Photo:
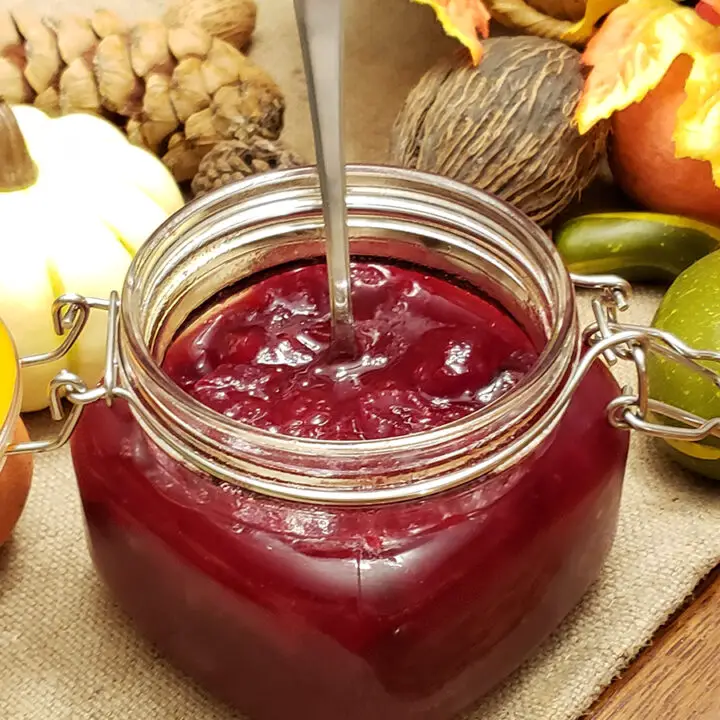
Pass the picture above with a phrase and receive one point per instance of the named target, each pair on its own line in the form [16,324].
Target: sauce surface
[430,353]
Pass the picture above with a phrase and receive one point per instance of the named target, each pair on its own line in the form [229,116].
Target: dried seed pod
[223,65]
[506,126]
[188,42]
[148,134]
[78,91]
[183,158]
[149,47]
[134,132]
[200,128]
[230,20]
[105,23]
[15,89]
[9,35]
[116,81]
[234,160]
[155,132]
[157,105]
[261,105]
[41,50]
[48,101]
[174,91]
[75,37]
[187,89]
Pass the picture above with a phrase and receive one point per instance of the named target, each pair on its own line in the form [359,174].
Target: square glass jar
[394,579]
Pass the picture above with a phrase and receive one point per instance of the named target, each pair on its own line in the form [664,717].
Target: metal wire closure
[635,410]
[606,337]
[70,315]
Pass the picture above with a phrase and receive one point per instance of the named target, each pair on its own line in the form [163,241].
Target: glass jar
[394,579]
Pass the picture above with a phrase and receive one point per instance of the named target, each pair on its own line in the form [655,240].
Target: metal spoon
[320,24]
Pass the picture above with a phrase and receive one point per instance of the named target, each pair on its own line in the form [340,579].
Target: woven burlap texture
[66,652]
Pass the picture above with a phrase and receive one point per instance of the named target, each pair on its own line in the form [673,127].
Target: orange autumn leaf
[630,55]
[466,20]
[628,58]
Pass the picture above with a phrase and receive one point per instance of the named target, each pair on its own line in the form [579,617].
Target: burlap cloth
[67,653]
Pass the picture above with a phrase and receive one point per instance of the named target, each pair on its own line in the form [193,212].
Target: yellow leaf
[465,20]
[632,52]
[594,10]
[630,55]
[697,133]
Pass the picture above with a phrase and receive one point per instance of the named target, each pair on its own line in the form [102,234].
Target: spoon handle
[320,25]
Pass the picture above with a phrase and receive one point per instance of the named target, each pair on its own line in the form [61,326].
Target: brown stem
[17,169]
[522,15]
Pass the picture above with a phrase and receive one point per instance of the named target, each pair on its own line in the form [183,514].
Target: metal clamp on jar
[605,337]
[392,579]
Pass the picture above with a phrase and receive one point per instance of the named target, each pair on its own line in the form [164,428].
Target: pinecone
[246,155]
[175,90]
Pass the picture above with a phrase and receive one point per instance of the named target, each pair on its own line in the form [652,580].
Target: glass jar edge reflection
[220,434]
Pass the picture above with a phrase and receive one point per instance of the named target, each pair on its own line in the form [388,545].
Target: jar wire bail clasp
[70,314]
[614,340]
[606,337]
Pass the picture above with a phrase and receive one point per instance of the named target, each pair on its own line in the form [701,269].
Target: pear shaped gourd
[77,200]
[690,310]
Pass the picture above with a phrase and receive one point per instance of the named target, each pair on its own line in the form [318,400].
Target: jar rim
[146,370]
[546,356]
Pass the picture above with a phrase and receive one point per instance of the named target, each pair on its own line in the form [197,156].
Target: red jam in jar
[409,610]
[429,353]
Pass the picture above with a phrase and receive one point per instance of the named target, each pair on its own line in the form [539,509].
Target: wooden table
[678,676]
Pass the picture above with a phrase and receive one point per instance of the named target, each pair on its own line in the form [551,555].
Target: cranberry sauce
[404,611]
[430,353]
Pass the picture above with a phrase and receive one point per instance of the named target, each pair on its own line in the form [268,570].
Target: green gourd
[639,246]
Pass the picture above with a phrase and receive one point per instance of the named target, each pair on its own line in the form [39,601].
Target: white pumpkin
[70,222]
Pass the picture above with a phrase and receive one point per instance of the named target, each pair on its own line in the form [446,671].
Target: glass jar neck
[271,220]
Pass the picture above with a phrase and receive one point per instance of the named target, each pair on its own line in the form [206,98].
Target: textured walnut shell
[230,20]
[506,126]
